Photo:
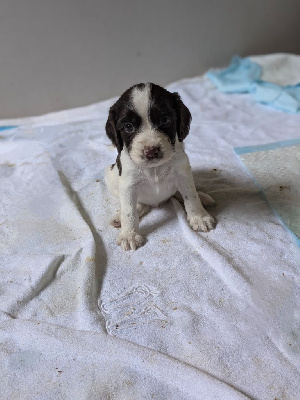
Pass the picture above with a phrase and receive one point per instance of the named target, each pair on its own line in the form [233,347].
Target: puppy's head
[148,119]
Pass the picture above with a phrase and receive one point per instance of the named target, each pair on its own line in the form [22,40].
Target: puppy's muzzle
[152,152]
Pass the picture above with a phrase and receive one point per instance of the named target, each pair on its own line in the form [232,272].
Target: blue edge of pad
[264,147]
[268,146]
[4,128]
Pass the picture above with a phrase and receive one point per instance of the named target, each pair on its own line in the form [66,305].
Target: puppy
[147,125]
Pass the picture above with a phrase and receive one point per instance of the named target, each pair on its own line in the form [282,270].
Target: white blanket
[189,315]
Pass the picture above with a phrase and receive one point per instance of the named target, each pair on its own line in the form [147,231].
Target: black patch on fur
[120,113]
[163,106]
[170,105]
[119,164]
[125,117]
[183,117]
[139,86]
[112,132]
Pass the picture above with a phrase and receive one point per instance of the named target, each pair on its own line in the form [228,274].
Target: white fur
[139,187]
[141,103]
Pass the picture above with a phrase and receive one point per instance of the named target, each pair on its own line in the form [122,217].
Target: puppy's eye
[128,127]
[164,121]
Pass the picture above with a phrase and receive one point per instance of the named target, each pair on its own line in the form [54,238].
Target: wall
[58,54]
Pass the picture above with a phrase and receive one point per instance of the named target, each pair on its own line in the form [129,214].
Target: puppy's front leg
[129,237]
[198,217]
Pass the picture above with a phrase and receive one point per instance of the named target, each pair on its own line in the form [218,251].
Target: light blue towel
[243,76]
[286,98]
[238,77]
[4,128]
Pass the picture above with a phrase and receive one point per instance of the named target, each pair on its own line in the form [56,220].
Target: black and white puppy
[147,125]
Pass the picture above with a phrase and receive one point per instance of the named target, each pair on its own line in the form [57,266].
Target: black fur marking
[119,164]
[112,132]
[170,105]
[184,118]
[162,107]
[115,111]
[139,86]
[132,117]
[120,113]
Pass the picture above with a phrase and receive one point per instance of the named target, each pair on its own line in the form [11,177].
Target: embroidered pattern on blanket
[134,308]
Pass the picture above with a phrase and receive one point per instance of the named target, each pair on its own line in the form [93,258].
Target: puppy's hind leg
[116,220]
[142,209]
[206,199]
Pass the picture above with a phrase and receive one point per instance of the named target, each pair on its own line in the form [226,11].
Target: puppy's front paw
[203,223]
[130,241]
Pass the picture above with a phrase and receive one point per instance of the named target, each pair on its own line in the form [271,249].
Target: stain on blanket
[284,187]
[8,165]
[136,307]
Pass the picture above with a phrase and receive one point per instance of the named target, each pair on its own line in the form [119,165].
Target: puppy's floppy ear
[183,118]
[112,132]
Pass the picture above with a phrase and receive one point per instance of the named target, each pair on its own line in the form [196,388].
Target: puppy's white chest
[157,185]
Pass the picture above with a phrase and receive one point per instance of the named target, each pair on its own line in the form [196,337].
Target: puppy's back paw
[115,222]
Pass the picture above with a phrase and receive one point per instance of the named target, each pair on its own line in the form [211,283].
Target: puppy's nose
[151,152]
